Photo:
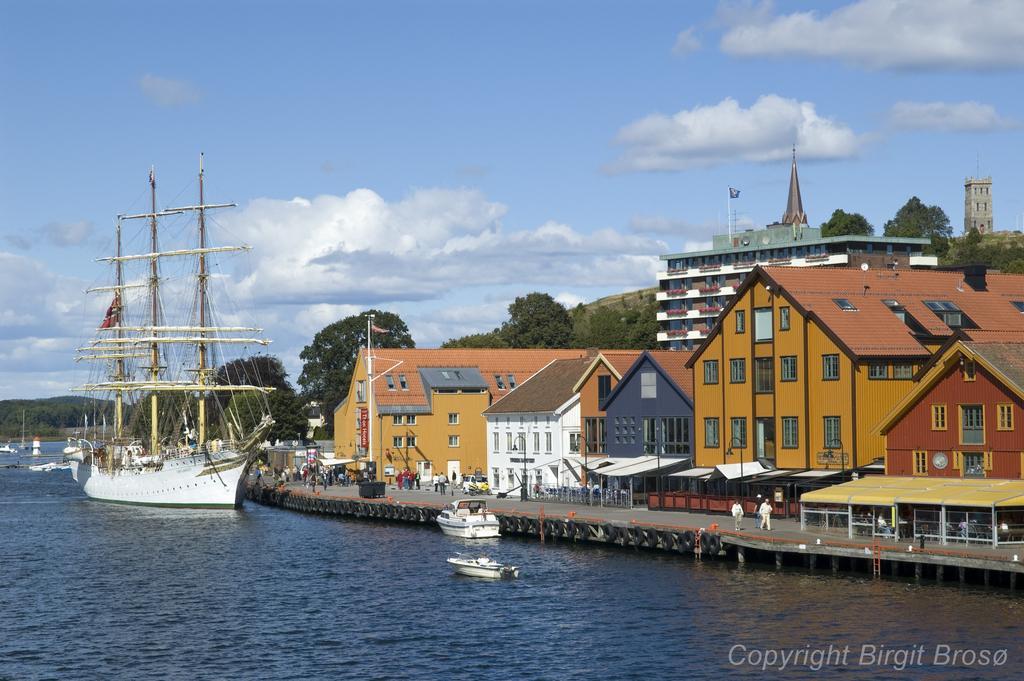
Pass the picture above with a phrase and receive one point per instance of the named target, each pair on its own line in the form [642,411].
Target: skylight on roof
[845,304]
[941,306]
[1019,304]
[889,302]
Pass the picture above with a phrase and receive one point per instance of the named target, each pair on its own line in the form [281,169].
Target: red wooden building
[965,418]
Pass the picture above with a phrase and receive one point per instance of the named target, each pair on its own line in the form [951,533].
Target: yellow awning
[877,490]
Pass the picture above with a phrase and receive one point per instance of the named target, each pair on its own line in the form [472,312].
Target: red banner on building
[364,427]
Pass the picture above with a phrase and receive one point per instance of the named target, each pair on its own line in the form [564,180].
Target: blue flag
[734,193]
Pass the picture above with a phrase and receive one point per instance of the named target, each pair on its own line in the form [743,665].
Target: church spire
[794,214]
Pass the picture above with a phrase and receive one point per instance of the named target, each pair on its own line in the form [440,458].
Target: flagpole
[369,388]
[728,213]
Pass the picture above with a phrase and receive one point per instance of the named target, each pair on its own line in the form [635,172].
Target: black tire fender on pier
[710,544]
[608,531]
[687,540]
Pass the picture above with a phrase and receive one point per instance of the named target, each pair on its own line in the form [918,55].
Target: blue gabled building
[650,411]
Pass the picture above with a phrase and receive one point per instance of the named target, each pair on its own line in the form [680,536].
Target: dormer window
[511,382]
[390,381]
[500,381]
[947,311]
[401,382]
[845,305]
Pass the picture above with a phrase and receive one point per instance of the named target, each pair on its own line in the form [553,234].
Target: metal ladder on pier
[876,562]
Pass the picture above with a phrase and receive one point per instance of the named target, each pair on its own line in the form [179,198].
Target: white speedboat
[51,466]
[482,566]
[8,449]
[468,518]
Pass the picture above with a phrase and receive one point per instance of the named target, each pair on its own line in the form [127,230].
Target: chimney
[974,275]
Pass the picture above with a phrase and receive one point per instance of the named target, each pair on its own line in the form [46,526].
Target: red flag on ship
[113,313]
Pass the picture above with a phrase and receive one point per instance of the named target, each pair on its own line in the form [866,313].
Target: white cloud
[726,132]
[945,116]
[882,34]
[686,42]
[64,234]
[169,92]
[569,299]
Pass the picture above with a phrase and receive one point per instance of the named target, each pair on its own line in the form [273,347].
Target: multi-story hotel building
[696,286]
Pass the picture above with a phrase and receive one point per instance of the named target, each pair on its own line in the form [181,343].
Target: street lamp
[737,443]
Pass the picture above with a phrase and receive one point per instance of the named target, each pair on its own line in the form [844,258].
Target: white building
[534,431]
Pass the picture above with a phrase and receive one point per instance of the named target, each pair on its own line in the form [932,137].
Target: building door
[454,468]
[426,472]
[766,438]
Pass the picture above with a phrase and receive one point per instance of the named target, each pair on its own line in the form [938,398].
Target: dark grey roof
[452,377]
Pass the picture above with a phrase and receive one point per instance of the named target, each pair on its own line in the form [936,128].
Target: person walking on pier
[757,512]
[737,515]
[417,479]
[766,515]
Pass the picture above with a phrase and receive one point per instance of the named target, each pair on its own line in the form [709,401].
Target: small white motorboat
[51,466]
[469,519]
[8,449]
[482,566]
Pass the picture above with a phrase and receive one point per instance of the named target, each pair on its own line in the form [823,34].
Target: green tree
[842,223]
[329,360]
[915,219]
[537,320]
[289,412]
[632,326]
[488,339]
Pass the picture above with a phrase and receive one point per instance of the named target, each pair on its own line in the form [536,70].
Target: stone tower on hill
[978,204]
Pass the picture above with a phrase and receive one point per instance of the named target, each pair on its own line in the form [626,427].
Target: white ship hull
[470,528]
[189,482]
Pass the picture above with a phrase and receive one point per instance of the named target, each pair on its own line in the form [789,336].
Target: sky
[438,159]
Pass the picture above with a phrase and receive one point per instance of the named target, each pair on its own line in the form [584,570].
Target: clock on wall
[940,460]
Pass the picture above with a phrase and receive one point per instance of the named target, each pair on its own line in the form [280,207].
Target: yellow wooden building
[427,406]
[804,363]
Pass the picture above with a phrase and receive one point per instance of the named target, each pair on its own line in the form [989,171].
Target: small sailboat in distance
[161,371]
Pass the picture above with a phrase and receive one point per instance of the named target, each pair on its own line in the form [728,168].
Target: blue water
[97,591]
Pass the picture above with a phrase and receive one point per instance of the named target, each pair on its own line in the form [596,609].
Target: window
[737,370]
[511,381]
[833,433]
[938,417]
[594,434]
[972,424]
[902,371]
[410,419]
[453,440]
[396,441]
[790,432]
[783,319]
[547,442]
[762,324]
[844,304]
[973,465]
[497,445]
[508,442]
[536,442]
[410,441]
[741,321]
[453,418]
[738,432]
[499,381]
[390,380]
[574,442]
[969,370]
[764,380]
[947,311]
[1004,419]
[830,367]
[396,420]
[711,432]
[675,433]
[878,371]
[650,435]
[710,371]
[604,387]
[648,385]
[920,463]
[788,368]
[360,391]
[401,382]
[494,475]
[1019,304]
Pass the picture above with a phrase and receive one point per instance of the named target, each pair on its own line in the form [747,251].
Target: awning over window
[881,490]
[643,465]
[735,471]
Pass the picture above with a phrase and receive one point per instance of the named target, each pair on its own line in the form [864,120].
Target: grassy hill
[1002,251]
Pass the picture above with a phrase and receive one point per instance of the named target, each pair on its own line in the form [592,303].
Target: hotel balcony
[702,292]
[803,261]
[699,313]
[681,334]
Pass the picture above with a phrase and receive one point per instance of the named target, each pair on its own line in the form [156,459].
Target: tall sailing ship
[185,431]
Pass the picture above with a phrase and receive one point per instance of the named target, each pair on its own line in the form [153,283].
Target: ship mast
[119,362]
[201,375]
[154,348]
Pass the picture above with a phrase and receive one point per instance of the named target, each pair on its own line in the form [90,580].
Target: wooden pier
[711,542]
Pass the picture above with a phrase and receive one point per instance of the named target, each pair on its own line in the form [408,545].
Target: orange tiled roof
[873,329]
[621,360]
[521,363]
